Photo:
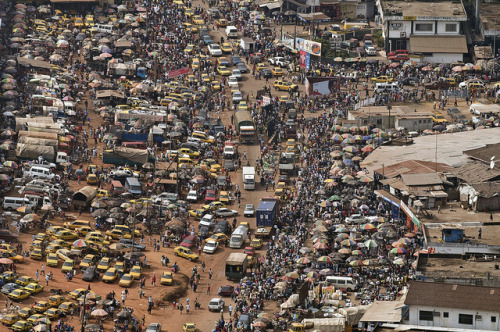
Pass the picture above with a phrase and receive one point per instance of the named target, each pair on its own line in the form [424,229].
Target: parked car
[210,247]
[90,274]
[128,244]
[226,290]
[192,196]
[355,219]
[189,241]
[225,212]
[249,210]
[441,84]
[154,327]
[216,304]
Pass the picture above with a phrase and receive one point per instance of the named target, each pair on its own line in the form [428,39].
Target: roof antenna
[492,162]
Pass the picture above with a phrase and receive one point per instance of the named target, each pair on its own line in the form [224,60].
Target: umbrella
[133,255]
[398,251]
[399,261]
[6,261]
[40,328]
[356,263]
[319,245]
[303,260]
[99,205]
[356,253]
[313,274]
[370,244]
[259,323]
[342,230]
[31,217]
[24,209]
[79,243]
[326,272]
[99,313]
[368,227]
[345,251]
[292,275]
[324,259]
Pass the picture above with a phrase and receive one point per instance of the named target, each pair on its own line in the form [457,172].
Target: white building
[397,117]
[453,306]
[434,31]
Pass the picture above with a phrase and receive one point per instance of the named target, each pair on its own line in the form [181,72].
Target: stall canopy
[384,312]
[318,17]
[272,5]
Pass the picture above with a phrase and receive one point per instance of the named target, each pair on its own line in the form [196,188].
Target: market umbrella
[24,209]
[31,217]
[399,261]
[40,328]
[348,242]
[345,251]
[321,229]
[356,253]
[335,198]
[10,163]
[398,251]
[313,274]
[370,244]
[368,227]
[320,246]
[326,272]
[259,323]
[99,313]
[99,205]
[293,275]
[356,263]
[6,261]
[324,259]
[303,260]
[79,243]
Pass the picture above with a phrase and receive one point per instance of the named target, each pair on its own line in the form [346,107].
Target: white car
[371,50]
[214,50]
[249,210]
[279,61]
[208,220]
[237,97]
[192,196]
[232,81]
[216,304]
[225,212]
[229,152]
[210,247]
[355,219]
[236,73]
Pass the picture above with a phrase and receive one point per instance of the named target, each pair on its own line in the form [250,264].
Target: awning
[298,4]
[272,5]
[318,17]
[388,197]
[441,44]
[439,194]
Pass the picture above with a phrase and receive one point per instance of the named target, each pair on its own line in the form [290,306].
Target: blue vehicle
[141,72]
[207,40]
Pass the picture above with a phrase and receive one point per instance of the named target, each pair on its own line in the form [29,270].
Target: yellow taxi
[52,260]
[62,243]
[438,118]
[25,312]
[120,267]
[260,66]
[68,265]
[76,224]
[189,327]
[216,85]
[219,237]
[34,318]
[197,20]
[185,253]
[52,248]
[222,22]
[97,240]
[53,229]
[53,313]
[278,72]
[91,179]
[126,280]
[87,261]
[36,245]
[110,275]
[42,237]
[223,70]
[67,306]
[226,48]
[242,106]
[89,20]
[284,86]
[189,12]
[214,205]
[256,243]
[136,272]
[66,235]
[103,264]
[11,254]
[74,294]
[63,254]
[212,163]
[189,152]
[118,234]
[382,79]
[41,306]
[126,229]
[25,280]
[9,276]
[167,278]
[102,193]
[33,288]
[79,23]
[84,230]
[198,213]
[195,64]
[18,295]
[10,319]
[203,137]
[56,300]
[189,48]
[224,197]
[21,326]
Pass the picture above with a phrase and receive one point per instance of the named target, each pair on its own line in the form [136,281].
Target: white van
[41,172]
[14,203]
[389,87]
[342,282]
[106,28]
[238,237]
[231,31]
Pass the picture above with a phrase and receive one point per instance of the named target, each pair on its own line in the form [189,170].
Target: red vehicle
[396,52]
[250,251]
[399,57]
[210,196]
[189,241]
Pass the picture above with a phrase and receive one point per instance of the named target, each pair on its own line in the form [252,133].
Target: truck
[83,197]
[127,156]
[249,178]
[245,126]
[32,152]
[238,237]
[236,266]
[286,166]
[266,215]
[122,69]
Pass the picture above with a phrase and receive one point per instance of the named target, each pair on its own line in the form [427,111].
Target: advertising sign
[308,46]
[321,86]
[178,72]
[302,62]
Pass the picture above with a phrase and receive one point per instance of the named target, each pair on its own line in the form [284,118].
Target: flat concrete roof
[396,111]
[450,148]
[421,9]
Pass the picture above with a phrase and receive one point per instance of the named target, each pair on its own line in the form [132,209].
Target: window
[450,27]
[423,27]
[427,315]
[493,319]
[446,314]
[465,319]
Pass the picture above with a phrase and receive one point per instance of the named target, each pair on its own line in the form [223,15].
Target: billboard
[321,86]
[308,46]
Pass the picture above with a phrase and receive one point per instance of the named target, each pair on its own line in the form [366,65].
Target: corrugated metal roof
[485,153]
[487,189]
[441,295]
[412,166]
[441,44]
[476,171]
[421,179]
